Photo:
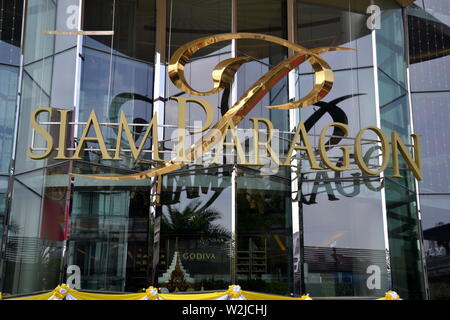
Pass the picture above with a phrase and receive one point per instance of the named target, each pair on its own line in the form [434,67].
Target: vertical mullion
[159,86]
[234,168]
[296,205]
[382,174]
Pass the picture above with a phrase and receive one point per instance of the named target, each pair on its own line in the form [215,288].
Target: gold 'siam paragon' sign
[215,137]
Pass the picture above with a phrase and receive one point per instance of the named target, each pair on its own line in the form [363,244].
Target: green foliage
[194,220]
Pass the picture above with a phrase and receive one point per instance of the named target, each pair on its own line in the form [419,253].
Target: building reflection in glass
[196,230]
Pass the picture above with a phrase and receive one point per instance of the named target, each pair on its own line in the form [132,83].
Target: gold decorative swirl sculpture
[222,76]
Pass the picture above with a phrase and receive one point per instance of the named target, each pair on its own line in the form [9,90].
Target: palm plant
[194,220]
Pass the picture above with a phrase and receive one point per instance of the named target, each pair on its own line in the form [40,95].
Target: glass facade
[429,45]
[285,230]
[340,250]
[10,36]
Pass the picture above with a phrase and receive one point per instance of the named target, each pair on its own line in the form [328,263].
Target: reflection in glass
[401,198]
[429,48]
[431,112]
[128,88]
[8,97]
[268,17]
[41,15]
[36,231]
[132,22]
[344,251]
[196,230]
[341,23]
[436,231]
[110,232]
[3,198]
[264,233]
[10,31]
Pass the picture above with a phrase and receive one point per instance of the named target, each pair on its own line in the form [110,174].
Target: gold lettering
[229,126]
[98,138]
[42,132]
[123,126]
[415,165]
[209,112]
[384,149]
[62,134]
[266,145]
[345,150]
[301,132]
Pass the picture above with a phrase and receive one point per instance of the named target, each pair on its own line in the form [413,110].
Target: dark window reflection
[132,22]
[10,31]
[192,19]
[10,35]
[196,231]
[3,198]
[110,235]
[264,233]
[268,17]
[344,253]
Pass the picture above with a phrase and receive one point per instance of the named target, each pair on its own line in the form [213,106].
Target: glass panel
[352,95]
[404,241]
[8,98]
[3,202]
[33,256]
[63,80]
[10,31]
[402,211]
[264,233]
[195,231]
[435,224]
[98,16]
[36,86]
[132,22]
[390,47]
[41,15]
[431,112]
[67,16]
[50,81]
[395,117]
[339,23]
[127,87]
[391,90]
[268,17]
[429,46]
[106,93]
[189,20]
[344,249]
[111,229]
[429,55]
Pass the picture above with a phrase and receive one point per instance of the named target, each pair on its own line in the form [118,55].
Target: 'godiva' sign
[215,137]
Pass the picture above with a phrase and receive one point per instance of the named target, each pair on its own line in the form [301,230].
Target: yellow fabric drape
[390,295]
[43,296]
[261,296]
[98,296]
[194,296]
